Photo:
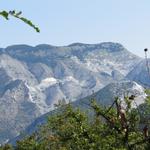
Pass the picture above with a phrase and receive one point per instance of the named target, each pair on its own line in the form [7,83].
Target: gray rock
[33,79]
[140,74]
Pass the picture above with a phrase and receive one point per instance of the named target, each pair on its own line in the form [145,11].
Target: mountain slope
[119,89]
[140,74]
[81,67]
[16,110]
[105,96]
[33,79]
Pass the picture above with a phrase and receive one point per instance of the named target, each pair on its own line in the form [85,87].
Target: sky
[63,22]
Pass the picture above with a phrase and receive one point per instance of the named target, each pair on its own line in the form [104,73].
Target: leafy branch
[17,15]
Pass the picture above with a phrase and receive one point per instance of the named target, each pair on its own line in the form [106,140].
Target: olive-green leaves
[4,14]
[15,14]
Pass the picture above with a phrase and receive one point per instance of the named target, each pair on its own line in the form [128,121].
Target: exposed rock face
[121,89]
[141,74]
[33,79]
[105,96]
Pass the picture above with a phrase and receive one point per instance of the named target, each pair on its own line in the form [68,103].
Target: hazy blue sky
[89,21]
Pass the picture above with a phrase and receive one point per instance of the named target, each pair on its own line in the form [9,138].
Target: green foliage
[6,147]
[147,91]
[29,143]
[106,128]
[145,111]
[17,15]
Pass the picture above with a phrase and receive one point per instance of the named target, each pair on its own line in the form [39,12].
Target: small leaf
[4,14]
[30,23]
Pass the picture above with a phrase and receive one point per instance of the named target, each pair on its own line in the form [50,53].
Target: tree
[102,128]
[6,15]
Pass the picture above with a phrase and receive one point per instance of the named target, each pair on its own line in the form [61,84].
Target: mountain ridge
[45,74]
[105,45]
[122,88]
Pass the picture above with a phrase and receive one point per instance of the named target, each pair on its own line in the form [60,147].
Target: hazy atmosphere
[63,22]
[71,77]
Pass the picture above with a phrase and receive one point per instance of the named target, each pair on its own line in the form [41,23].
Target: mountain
[105,96]
[120,89]
[33,79]
[16,110]
[140,73]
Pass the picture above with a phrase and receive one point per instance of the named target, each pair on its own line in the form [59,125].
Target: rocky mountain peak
[33,79]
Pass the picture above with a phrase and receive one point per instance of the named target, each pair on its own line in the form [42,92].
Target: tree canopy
[101,128]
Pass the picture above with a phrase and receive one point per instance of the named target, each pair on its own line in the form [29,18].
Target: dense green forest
[99,128]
